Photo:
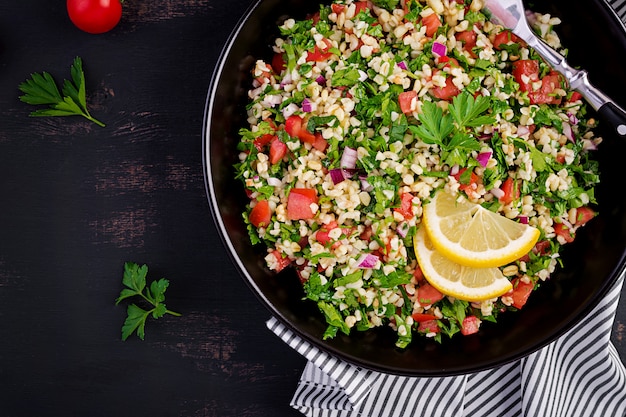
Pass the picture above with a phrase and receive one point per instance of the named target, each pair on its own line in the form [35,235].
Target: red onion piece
[523,219]
[439,49]
[337,175]
[365,185]
[348,158]
[497,193]
[402,229]
[454,170]
[367,261]
[572,118]
[483,158]
[523,130]
[402,65]
[321,80]
[274,182]
[567,131]
[306,106]
[589,145]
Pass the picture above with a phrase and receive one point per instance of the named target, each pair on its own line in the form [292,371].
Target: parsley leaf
[435,125]
[134,280]
[466,110]
[41,89]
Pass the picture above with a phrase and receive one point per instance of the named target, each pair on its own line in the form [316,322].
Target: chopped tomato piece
[299,203]
[362,6]
[575,96]
[427,294]
[281,261]
[278,149]
[337,8]
[294,126]
[418,274]
[511,190]
[584,214]
[470,325]
[260,215]
[562,230]
[322,234]
[446,92]
[541,248]
[320,54]
[506,37]
[406,206]
[261,141]
[278,63]
[432,23]
[546,93]
[446,62]
[428,326]
[405,100]
[526,73]
[468,39]
[468,187]
[420,317]
[320,143]
[520,292]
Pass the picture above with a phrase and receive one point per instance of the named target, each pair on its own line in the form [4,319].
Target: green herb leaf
[134,280]
[435,125]
[41,89]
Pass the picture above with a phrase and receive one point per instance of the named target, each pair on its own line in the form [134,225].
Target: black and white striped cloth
[578,375]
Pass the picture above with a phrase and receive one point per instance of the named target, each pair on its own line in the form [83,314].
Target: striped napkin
[578,375]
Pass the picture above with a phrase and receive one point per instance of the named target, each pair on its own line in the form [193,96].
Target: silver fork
[512,15]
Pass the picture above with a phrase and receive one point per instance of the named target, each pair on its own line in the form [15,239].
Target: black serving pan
[596,41]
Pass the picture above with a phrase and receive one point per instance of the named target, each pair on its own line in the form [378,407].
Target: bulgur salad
[365,111]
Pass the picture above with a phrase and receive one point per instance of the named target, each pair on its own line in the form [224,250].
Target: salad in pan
[419,166]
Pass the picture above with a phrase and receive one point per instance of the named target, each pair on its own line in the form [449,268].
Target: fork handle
[614,115]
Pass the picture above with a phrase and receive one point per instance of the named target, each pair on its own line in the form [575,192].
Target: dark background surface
[77,201]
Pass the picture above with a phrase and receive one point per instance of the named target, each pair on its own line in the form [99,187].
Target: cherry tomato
[95,16]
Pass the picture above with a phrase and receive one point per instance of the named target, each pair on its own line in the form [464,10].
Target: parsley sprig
[451,130]
[41,89]
[135,281]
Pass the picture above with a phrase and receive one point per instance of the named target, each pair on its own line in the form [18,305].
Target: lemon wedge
[458,281]
[471,235]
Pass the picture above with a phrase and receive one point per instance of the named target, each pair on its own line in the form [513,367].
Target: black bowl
[596,40]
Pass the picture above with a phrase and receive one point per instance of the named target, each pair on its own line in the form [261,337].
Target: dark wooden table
[78,201]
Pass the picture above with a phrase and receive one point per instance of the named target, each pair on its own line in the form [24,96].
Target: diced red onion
[348,158]
[572,118]
[567,131]
[483,158]
[306,106]
[589,145]
[402,229]
[286,80]
[439,49]
[365,185]
[321,80]
[337,175]
[454,170]
[523,130]
[485,136]
[402,65]
[523,219]
[274,182]
[367,261]
[497,193]
[290,109]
